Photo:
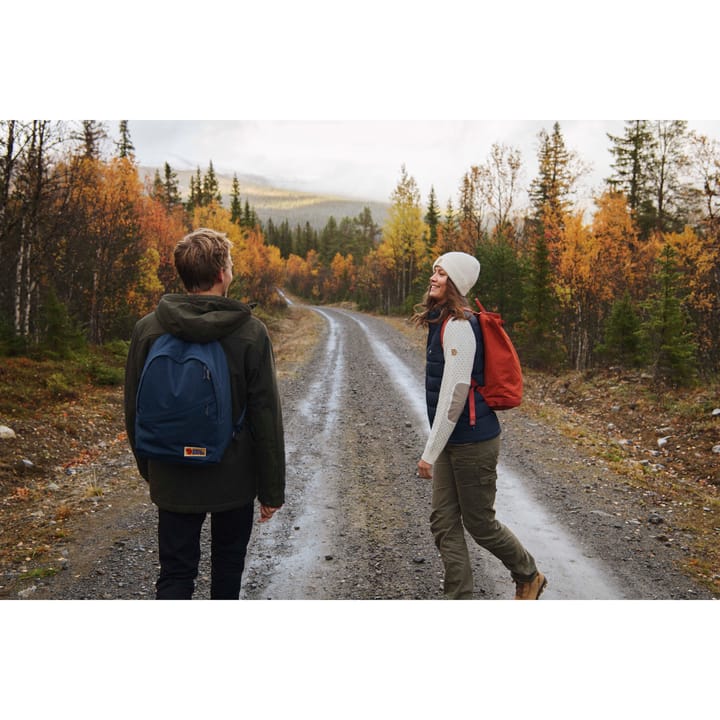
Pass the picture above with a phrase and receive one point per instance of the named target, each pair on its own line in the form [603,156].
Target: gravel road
[356,521]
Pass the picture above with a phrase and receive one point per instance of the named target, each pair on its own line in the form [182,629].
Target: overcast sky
[335,97]
[363,158]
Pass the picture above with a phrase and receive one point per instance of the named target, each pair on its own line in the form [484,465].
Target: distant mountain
[295,206]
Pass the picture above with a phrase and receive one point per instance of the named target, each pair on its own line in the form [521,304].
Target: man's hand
[424,470]
[266,512]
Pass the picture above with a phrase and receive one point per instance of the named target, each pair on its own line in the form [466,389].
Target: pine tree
[432,218]
[90,137]
[249,219]
[470,213]
[195,198]
[538,335]
[329,241]
[368,233]
[210,187]
[634,152]
[551,190]
[665,332]
[158,189]
[670,163]
[171,188]
[124,146]
[500,278]
[284,238]
[235,204]
[448,231]
[622,334]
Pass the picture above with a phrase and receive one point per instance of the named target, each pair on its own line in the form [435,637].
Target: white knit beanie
[462,269]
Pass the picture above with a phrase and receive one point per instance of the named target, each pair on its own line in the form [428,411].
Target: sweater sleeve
[459,353]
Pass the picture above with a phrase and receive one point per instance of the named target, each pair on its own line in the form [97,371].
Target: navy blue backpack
[184,403]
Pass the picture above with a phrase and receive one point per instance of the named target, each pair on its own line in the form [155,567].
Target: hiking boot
[531,590]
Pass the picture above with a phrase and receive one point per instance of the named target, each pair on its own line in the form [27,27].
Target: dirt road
[355,524]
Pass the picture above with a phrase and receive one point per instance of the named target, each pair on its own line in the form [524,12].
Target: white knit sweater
[459,353]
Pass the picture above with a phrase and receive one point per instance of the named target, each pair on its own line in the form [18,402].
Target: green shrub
[103,374]
[60,386]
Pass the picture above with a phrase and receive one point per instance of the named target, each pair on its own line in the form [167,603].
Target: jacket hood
[200,318]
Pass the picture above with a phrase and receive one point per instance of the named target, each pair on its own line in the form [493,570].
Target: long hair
[430,311]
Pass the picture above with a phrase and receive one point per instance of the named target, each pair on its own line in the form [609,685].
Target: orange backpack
[502,372]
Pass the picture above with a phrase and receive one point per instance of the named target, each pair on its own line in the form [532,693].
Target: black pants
[179,545]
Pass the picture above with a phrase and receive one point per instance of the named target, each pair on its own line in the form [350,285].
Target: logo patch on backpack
[184,403]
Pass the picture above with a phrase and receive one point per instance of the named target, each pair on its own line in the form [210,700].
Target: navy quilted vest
[487,425]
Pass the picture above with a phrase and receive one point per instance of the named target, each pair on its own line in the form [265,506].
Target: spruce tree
[235,204]
[666,331]
[171,188]
[538,337]
[432,217]
[622,335]
[634,157]
[550,191]
[158,189]
[210,187]
[367,233]
[195,198]
[124,146]
[90,137]
[500,278]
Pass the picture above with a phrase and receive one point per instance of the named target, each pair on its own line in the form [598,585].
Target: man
[254,463]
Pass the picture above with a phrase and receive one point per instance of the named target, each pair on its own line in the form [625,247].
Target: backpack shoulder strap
[445,322]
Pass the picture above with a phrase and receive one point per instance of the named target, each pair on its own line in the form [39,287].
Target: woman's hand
[424,470]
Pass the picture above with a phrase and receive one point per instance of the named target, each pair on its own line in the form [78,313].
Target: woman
[460,458]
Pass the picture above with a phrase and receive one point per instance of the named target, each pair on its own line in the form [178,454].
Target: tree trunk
[19,275]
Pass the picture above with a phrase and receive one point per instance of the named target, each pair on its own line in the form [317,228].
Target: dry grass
[294,337]
[620,418]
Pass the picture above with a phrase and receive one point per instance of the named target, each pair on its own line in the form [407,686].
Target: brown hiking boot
[531,590]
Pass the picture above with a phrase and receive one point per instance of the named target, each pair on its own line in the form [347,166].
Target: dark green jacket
[254,464]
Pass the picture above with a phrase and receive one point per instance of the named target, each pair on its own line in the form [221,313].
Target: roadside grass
[64,412]
[29,385]
[620,419]
[294,333]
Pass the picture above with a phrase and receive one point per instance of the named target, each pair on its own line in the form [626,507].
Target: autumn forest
[634,282]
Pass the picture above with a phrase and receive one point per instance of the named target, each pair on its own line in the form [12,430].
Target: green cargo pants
[463,497]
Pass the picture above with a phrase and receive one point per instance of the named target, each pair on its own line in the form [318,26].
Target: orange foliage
[259,269]
[341,278]
[161,231]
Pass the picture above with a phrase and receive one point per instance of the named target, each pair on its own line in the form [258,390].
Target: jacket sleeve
[264,417]
[459,353]
[133,369]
